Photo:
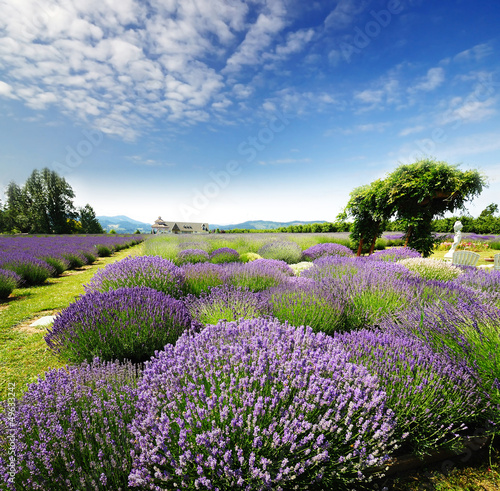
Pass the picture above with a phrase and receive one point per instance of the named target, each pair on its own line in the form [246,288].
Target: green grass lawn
[23,351]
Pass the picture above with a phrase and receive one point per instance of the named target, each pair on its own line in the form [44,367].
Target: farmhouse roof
[180,226]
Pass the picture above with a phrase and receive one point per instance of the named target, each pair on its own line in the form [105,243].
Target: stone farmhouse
[162,227]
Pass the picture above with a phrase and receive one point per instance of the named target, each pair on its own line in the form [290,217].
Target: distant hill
[262,225]
[123,225]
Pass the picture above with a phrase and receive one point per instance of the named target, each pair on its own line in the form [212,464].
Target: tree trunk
[370,252]
[360,247]
[408,235]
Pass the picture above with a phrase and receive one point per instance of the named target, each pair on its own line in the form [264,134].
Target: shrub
[224,255]
[8,281]
[326,249]
[290,252]
[128,323]
[32,270]
[249,256]
[431,269]
[74,260]
[299,267]
[89,257]
[258,275]
[192,256]
[227,303]
[308,304]
[481,280]
[70,429]
[150,271]
[257,405]
[201,277]
[59,265]
[467,331]
[433,395]
[395,254]
[103,251]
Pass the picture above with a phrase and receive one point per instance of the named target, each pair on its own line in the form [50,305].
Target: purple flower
[193,256]
[433,395]
[149,271]
[289,252]
[32,270]
[227,303]
[128,323]
[257,404]
[8,281]
[326,249]
[201,277]
[259,275]
[224,255]
[395,254]
[70,429]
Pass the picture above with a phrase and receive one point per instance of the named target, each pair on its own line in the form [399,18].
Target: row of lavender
[29,260]
[398,356]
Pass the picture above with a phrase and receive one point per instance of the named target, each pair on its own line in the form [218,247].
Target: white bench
[496,262]
[465,258]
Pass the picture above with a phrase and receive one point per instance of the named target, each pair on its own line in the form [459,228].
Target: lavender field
[27,260]
[258,362]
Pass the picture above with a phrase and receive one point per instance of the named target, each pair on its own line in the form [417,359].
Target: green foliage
[43,205]
[112,231]
[89,222]
[414,194]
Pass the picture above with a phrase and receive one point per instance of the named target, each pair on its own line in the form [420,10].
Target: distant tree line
[44,205]
[306,228]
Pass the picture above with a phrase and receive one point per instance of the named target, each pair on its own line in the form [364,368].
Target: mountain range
[125,225]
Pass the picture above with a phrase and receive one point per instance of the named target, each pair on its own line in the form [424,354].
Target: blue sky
[225,111]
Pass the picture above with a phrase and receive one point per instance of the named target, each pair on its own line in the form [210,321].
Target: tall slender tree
[89,221]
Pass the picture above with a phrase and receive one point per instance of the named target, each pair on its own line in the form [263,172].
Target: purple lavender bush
[257,405]
[128,323]
[259,275]
[370,290]
[435,396]
[70,429]
[192,256]
[482,281]
[227,303]
[309,304]
[224,255]
[289,252]
[8,281]
[466,330]
[395,254]
[326,249]
[201,277]
[149,271]
[32,270]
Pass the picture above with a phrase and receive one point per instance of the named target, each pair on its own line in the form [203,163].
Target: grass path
[23,351]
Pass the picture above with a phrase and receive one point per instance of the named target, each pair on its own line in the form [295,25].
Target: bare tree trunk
[370,252]
[360,247]
[408,235]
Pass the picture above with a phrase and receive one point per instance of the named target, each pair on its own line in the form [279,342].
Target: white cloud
[411,130]
[344,13]
[468,110]
[122,64]
[370,96]
[6,90]
[434,78]
[476,53]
